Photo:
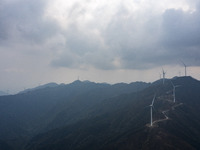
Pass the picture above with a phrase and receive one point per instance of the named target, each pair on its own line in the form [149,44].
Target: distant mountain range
[100,116]
[48,85]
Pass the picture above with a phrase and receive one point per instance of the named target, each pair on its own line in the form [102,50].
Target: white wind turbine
[151,106]
[163,72]
[174,91]
[185,68]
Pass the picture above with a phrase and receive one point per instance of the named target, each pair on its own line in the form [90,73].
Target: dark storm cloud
[150,42]
[24,19]
[181,35]
[181,28]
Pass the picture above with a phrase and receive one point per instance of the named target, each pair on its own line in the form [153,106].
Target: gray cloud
[25,19]
[135,39]
[125,43]
[83,49]
[181,35]
[38,37]
[128,40]
[181,28]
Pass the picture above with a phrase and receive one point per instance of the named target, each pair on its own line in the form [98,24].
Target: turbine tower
[151,106]
[174,91]
[163,72]
[185,68]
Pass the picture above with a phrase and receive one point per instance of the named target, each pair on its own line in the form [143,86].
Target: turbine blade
[183,63]
[172,83]
[177,85]
[153,99]
[147,106]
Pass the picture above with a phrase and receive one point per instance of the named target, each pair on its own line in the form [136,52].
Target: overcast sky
[110,41]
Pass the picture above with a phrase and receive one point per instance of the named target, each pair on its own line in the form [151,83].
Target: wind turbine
[151,106]
[185,68]
[174,91]
[163,72]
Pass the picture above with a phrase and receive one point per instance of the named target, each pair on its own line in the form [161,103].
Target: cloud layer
[104,35]
[130,39]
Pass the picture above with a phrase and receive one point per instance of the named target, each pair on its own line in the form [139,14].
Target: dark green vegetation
[87,115]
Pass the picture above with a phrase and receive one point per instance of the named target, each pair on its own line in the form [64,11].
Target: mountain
[98,116]
[5,146]
[122,122]
[27,114]
[48,85]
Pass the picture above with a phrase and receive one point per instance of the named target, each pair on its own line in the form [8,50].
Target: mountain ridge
[51,84]
[155,137]
[88,115]
[27,114]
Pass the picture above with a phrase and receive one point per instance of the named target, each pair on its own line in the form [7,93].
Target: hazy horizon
[78,79]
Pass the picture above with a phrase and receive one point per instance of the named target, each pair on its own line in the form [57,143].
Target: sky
[111,41]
